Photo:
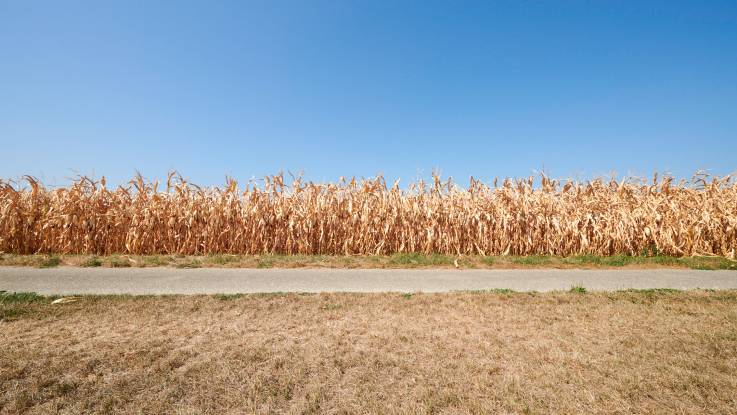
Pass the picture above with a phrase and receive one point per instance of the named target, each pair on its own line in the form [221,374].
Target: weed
[664,260]
[92,262]
[227,297]
[417,259]
[19,297]
[50,261]
[221,259]
[265,263]
[14,305]
[156,260]
[577,289]
[195,263]
[118,262]
[532,260]
[616,260]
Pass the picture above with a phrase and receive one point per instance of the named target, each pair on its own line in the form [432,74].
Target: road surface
[72,280]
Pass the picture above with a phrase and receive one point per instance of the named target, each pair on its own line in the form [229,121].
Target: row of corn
[368,216]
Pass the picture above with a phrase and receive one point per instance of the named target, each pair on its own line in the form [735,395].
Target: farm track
[74,280]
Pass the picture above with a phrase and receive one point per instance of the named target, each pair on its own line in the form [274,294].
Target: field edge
[396,261]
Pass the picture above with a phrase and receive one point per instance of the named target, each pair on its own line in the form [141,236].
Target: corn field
[520,217]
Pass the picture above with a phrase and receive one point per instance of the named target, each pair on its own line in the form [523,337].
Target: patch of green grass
[19,297]
[15,305]
[702,267]
[617,260]
[700,263]
[664,260]
[407,296]
[532,260]
[92,262]
[417,259]
[276,294]
[399,260]
[156,260]
[265,262]
[577,289]
[709,263]
[227,297]
[118,262]
[599,260]
[221,259]
[50,261]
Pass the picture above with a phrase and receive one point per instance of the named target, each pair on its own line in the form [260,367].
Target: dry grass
[368,217]
[628,352]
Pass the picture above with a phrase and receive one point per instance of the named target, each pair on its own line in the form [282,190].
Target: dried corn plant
[602,216]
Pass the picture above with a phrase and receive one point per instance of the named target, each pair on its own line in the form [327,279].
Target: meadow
[520,217]
[651,351]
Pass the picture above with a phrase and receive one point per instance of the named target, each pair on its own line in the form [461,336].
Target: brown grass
[627,352]
[368,217]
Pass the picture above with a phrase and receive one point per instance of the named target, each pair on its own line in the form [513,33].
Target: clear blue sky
[247,88]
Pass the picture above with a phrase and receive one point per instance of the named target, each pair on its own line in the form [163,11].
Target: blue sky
[342,88]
